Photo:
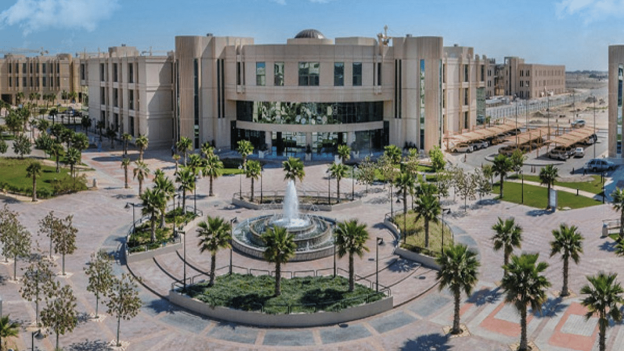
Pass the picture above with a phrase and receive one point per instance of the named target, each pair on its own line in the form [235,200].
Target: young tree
[517,160]
[548,175]
[60,313]
[8,329]
[280,247]
[125,162]
[604,294]
[405,185]
[185,145]
[344,151]
[196,163]
[37,281]
[459,270]
[293,169]
[123,300]
[176,158]
[125,138]
[466,186]
[428,208]
[73,158]
[245,148]
[213,234]
[186,181]
[100,273]
[111,134]
[64,239]
[525,285]
[253,171]
[618,205]
[366,172]
[482,182]
[57,151]
[22,146]
[140,173]
[206,150]
[14,237]
[141,142]
[4,147]
[338,171]
[350,239]
[569,243]
[81,143]
[501,166]
[508,235]
[99,125]
[437,159]
[33,170]
[213,169]
[153,201]
[488,172]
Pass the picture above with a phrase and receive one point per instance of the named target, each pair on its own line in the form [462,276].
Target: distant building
[38,74]
[616,77]
[524,80]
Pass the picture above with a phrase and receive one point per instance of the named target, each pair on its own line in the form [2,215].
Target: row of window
[310,113]
[34,82]
[116,72]
[116,100]
[34,67]
[309,73]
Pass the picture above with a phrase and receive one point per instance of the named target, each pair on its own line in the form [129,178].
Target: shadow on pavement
[402,265]
[536,212]
[428,342]
[550,308]
[89,345]
[485,296]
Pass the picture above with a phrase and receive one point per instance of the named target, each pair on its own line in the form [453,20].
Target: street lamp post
[447,211]
[353,171]
[232,221]
[522,175]
[378,242]
[195,196]
[261,193]
[516,103]
[594,98]
[328,188]
[36,334]
[604,175]
[240,183]
[184,249]
[127,207]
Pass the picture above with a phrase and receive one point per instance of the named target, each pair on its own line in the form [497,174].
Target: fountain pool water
[313,234]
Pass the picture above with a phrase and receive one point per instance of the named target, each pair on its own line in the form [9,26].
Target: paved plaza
[416,322]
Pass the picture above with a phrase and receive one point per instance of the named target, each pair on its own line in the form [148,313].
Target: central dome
[309,34]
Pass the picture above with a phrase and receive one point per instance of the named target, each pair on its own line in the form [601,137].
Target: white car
[579,123]
[580,152]
[462,147]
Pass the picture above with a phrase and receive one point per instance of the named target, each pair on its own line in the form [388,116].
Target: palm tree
[141,142]
[253,171]
[501,166]
[569,243]
[33,170]
[350,239]
[140,173]
[393,153]
[125,138]
[57,151]
[338,171]
[293,167]
[603,296]
[213,170]
[245,148]
[280,247]
[176,158]
[428,208]
[508,235]
[525,285]
[111,134]
[19,97]
[8,329]
[99,125]
[207,150]
[213,234]
[196,163]
[344,152]
[152,203]
[185,145]
[165,186]
[80,141]
[186,179]
[488,172]
[618,204]
[125,162]
[73,158]
[459,269]
[405,185]
[548,175]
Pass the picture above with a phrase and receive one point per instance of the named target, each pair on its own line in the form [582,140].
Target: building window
[483,73]
[102,96]
[521,83]
[43,68]
[379,73]
[24,68]
[466,120]
[82,71]
[131,125]
[131,99]
[102,72]
[338,74]
[465,96]
[443,98]
[239,77]
[130,72]
[10,68]
[260,74]
[44,81]
[37,67]
[521,73]
[528,73]
[309,73]
[115,97]
[24,82]
[357,74]
[444,73]
[58,67]
[58,81]
[115,72]
[10,82]
[278,74]
[466,73]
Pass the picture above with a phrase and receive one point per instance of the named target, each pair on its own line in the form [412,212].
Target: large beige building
[131,92]
[616,78]
[516,78]
[38,74]
[313,93]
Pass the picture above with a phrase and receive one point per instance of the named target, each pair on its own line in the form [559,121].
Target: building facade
[131,92]
[313,93]
[42,75]
[516,78]
[616,77]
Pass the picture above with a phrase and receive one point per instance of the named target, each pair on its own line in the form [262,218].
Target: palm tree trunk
[97,304]
[523,327]
[351,273]
[211,193]
[426,233]
[622,225]
[58,170]
[564,290]
[252,190]
[63,263]
[338,190]
[505,261]
[141,157]
[34,195]
[213,264]
[602,343]
[163,213]
[456,328]
[15,268]
[126,177]
[184,201]
[278,278]
[140,187]
[501,186]
[153,225]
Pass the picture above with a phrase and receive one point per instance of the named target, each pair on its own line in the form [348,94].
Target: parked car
[558,154]
[580,152]
[507,150]
[463,147]
[579,123]
[480,144]
[601,165]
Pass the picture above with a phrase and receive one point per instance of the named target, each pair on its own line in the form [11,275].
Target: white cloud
[39,15]
[591,10]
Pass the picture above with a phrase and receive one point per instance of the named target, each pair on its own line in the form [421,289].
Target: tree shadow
[107,158]
[608,246]
[538,212]
[403,265]
[428,342]
[123,196]
[159,305]
[485,296]
[89,345]
[550,308]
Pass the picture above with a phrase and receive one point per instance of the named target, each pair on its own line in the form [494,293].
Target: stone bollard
[95,186]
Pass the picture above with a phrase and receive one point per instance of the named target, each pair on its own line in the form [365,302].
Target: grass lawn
[594,187]
[416,233]
[230,171]
[7,136]
[535,196]
[303,294]
[13,173]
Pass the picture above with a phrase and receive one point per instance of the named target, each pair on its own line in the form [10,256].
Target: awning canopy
[482,133]
[528,136]
[575,136]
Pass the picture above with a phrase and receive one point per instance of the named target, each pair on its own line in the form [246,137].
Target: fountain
[313,234]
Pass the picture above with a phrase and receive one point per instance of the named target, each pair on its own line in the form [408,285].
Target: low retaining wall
[426,261]
[145,255]
[299,256]
[341,206]
[298,320]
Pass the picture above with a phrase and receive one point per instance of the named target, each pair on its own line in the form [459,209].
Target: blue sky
[571,32]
